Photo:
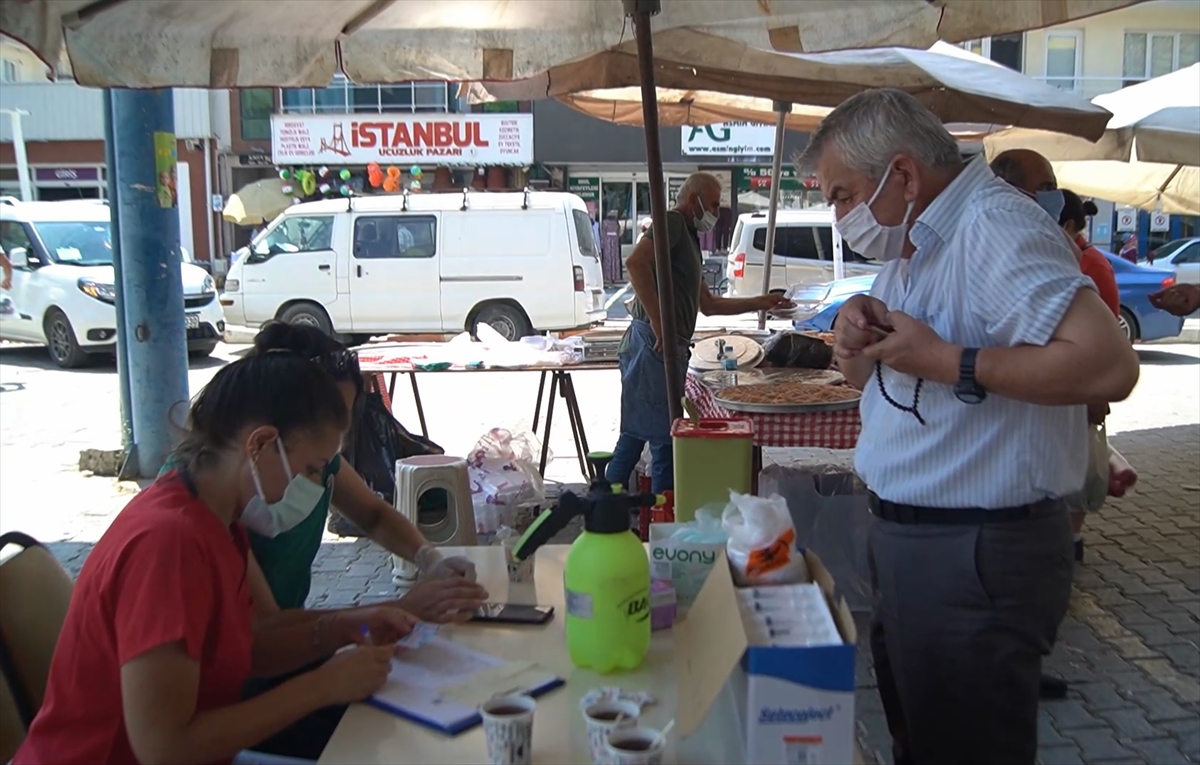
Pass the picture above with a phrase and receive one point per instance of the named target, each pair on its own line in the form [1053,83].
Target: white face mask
[300,499]
[705,222]
[867,236]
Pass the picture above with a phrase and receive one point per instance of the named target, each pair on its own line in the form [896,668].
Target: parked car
[1182,255]
[1141,321]
[805,243]
[519,261]
[63,294]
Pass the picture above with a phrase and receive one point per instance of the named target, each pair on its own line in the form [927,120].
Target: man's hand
[860,322]
[914,348]
[1178,299]
[771,302]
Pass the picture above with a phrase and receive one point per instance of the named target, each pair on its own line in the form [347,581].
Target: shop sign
[255,160]
[1126,219]
[673,187]
[728,139]
[587,189]
[460,140]
[1160,221]
[65,174]
[759,177]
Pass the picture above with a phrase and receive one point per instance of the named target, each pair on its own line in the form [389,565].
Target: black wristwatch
[967,389]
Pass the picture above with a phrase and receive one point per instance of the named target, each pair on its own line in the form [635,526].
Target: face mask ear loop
[283,457]
[878,189]
[257,481]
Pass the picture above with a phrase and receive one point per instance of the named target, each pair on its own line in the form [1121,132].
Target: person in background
[976,363]
[1178,299]
[6,271]
[610,248]
[596,231]
[1095,266]
[161,634]
[645,415]
[1129,250]
[281,563]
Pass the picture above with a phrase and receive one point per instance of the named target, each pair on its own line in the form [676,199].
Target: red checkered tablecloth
[825,430]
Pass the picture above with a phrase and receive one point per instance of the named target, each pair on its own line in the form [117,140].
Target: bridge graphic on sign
[337,144]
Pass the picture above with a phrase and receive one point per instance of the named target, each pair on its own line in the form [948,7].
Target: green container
[607,579]
[712,457]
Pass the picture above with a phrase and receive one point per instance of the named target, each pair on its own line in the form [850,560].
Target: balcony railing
[344,97]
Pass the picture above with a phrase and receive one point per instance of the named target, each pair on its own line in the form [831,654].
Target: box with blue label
[788,661]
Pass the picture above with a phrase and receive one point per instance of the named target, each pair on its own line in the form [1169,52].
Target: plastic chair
[35,592]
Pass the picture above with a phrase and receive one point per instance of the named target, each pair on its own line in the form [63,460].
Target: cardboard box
[796,704]
[684,564]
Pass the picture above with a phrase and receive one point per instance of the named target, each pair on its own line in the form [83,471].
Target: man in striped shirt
[977,351]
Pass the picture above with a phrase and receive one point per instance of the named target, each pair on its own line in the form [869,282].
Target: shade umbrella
[958,86]
[229,43]
[257,203]
[1173,189]
[1153,121]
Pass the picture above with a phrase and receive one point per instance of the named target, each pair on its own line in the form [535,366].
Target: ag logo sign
[728,139]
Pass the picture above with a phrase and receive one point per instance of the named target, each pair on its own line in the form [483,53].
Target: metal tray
[825,406]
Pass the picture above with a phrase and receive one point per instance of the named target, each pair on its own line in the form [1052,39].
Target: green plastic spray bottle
[607,574]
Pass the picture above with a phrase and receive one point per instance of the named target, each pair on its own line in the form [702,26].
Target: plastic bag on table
[796,351]
[762,541]
[375,441]
[503,468]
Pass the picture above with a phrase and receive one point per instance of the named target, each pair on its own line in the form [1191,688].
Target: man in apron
[645,413]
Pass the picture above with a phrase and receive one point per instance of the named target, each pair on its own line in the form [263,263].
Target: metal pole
[110,162]
[641,11]
[144,166]
[18,139]
[784,108]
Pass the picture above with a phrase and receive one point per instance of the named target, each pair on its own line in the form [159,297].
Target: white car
[805,243]
[1181,255]
[62,291]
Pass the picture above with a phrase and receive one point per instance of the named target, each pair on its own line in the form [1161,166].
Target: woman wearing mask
[161,634]
[282,559]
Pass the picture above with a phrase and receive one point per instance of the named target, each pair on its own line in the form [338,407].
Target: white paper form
[426,684]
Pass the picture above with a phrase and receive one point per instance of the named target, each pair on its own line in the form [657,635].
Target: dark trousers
[963,616]
[306,738]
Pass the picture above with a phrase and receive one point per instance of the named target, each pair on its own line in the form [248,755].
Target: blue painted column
[110,162]
[144,153]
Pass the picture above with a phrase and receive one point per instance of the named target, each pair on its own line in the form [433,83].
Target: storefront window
[343,96]
[257,105]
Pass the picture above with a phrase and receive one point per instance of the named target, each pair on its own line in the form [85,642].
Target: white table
[368,735]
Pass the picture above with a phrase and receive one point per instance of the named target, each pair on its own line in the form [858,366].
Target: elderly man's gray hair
[697,183]
[869,129]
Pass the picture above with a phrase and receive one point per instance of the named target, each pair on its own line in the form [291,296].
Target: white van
[522,262]
[805,243]
[62,293]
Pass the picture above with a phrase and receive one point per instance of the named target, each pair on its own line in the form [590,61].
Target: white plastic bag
[1095,485]
[503,468]
[762,541]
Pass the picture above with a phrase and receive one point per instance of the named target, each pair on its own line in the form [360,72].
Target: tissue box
[662,605]
[684,564]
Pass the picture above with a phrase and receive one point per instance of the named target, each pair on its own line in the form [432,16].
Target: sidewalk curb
[239,335]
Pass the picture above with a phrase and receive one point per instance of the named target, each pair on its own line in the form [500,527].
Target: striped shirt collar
[943,215]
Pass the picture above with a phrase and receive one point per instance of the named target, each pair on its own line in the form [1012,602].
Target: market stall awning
[233,43]
[958,86]
[1173,189]
[1154,121]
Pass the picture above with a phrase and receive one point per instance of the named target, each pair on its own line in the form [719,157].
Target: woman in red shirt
[1094,265]
[160,636]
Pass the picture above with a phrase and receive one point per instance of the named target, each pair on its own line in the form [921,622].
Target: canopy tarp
[1134,183]
[958,86]
[234,43]
[1155,121]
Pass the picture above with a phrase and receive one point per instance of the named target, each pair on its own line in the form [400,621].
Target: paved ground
[1129,646]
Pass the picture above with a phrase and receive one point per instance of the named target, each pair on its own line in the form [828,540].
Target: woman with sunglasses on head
[161,634]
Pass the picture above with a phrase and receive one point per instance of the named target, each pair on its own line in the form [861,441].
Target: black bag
[796,351]
[375,441]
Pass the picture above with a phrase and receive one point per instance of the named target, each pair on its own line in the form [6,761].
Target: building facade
[63,128]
